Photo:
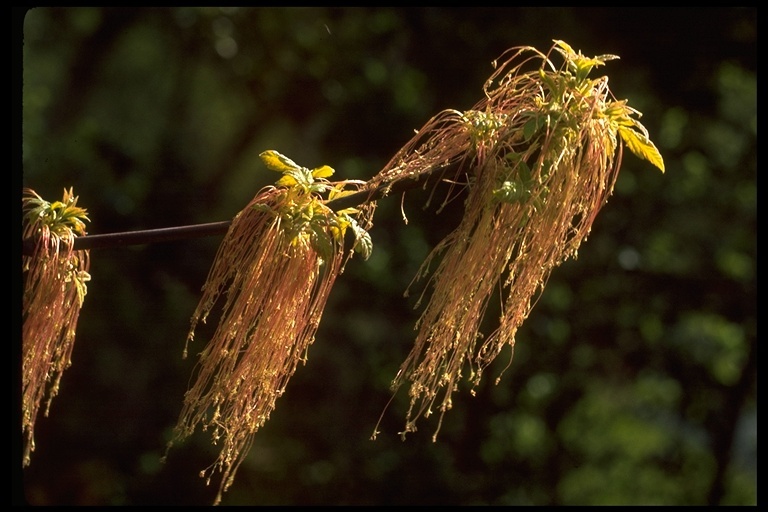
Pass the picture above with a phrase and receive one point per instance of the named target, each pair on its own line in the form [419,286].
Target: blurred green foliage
[632,382]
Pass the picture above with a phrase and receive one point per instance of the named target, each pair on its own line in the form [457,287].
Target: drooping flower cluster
[539,156]
[274,271]
[54,290]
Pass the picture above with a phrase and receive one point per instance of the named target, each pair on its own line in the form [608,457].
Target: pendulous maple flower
[538,156]
[54,291]
[274,270]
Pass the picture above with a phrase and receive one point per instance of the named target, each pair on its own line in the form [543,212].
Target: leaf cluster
[307,218]
[60,217]
[617,113]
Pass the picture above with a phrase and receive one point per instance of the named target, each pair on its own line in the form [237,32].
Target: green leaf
[348,211]
[523,171]
[322,172]
[532,126]
[321,241]
[317,188]
[339,227]
[286,181]
[602,59]
[552,84]
[277,162]
[511,192]
[578,63]
[641,146]
[338,192]
[363,243]
[565,46]
[261,207]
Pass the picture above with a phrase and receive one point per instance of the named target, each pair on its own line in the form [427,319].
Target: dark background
[633,380]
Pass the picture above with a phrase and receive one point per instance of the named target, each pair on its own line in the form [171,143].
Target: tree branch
[149,236]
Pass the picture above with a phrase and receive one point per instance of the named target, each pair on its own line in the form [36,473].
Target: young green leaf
[533,125]
[641,146]
[363,243]
[277,162]
[322,172]
[567,50]
[321,240]
[338,192]
[286,181]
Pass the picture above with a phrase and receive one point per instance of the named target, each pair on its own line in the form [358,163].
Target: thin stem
[150,236]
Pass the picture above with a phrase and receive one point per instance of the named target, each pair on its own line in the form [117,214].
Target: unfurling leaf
[363,244]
